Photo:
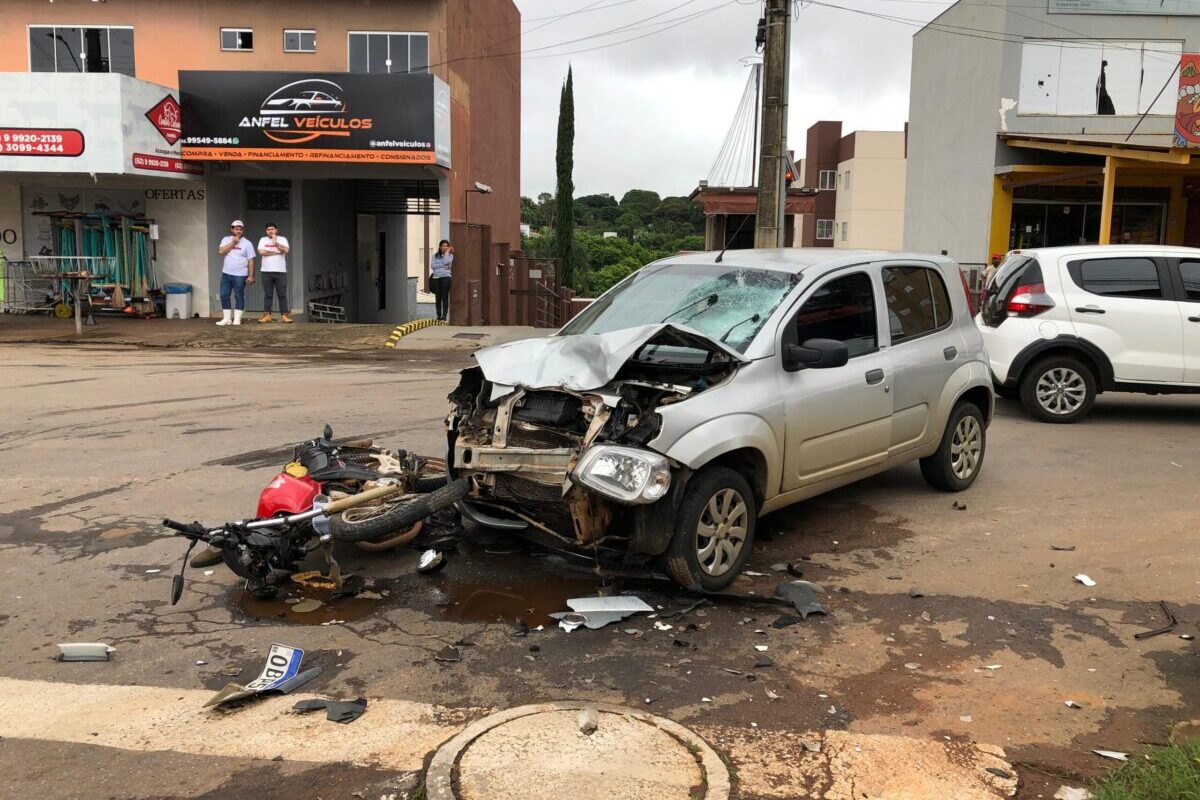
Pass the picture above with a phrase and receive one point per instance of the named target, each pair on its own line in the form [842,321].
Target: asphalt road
[97,445]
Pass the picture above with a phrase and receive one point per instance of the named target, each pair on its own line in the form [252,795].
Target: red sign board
[1187,108]
[165,118]
[166,164]
[60,142]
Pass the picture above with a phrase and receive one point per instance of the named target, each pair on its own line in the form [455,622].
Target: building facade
[1049,125]
[859,181]
[359,128]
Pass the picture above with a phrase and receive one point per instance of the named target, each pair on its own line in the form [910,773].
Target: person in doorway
[439,277]
[236,272]
[272,248]
[989,272]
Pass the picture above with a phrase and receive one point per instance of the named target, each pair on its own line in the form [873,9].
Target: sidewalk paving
[204,333]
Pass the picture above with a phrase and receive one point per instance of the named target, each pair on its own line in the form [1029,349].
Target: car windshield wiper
[737,325]
[709,302]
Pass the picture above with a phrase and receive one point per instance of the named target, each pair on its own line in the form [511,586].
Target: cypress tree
[564,229]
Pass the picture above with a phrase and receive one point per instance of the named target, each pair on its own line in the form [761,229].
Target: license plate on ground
[283,662]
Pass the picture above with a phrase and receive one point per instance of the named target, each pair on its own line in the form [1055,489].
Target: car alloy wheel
[721,531]
[966,447]
[1060,391]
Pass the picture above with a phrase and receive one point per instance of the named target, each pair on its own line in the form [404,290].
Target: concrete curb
[439,777]
[404,330]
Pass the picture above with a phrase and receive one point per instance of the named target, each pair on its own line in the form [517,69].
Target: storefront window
[1057,216]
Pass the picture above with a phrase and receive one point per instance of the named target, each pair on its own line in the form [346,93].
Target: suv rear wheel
[956,464]
[714,530]
[1058,389]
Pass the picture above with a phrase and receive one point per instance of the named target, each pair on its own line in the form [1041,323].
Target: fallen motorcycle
[329,491]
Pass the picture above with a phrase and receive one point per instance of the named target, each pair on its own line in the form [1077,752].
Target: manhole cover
[539,751]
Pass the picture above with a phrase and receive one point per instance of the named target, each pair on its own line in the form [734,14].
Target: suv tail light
[967,291]
[1028,300]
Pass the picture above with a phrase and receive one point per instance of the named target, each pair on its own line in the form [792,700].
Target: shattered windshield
[718,300]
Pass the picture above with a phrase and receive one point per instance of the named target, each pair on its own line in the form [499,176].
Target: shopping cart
[26,289]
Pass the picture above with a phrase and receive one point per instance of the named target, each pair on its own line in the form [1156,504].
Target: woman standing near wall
[439,277]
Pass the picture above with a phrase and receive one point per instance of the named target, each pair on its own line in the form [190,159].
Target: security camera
[482,188]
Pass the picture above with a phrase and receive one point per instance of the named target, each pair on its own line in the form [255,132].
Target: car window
[842,309]
[1117,277]
[912,301]
[1191,280]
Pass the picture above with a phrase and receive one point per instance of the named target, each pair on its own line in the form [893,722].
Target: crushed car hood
[584,362]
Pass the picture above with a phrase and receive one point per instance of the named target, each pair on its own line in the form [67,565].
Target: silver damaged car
[707,390]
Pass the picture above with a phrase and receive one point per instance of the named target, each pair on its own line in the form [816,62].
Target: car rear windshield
[721,301]
[1017,270]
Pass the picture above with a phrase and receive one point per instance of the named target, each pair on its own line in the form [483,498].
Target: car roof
[1113,249]
[800,259]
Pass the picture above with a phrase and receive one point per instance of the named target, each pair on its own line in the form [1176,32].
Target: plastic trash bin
[179,300]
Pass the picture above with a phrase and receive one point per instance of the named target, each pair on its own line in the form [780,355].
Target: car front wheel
[959,458]
[714,530]
[1058,389]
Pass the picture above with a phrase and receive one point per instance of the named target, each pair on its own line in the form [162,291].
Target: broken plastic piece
[1072,793]
[959,505]
[1113,754]
[448,654]
[1066,548]
[1072,704]
[802,596]
[84,651]
[763,661]
[914,593]
[315,580]
[786,620]
[431,561]
[343,711]
[999,773]
[1085,580]
[306,605]
[296,681]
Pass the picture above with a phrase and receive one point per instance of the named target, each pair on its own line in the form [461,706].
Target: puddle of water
[532,601]
[276,609]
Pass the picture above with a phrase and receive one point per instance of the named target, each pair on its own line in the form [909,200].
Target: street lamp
[480,188]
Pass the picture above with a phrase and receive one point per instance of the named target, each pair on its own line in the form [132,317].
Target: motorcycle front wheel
[367,523]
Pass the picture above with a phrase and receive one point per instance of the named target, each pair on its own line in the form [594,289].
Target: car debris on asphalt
[802,596]
[1072,704]
[1066,548]
[1085,580]
[1170,626]
[596,612]
[448,654]
[84,651]
[342,711]
[1113,754]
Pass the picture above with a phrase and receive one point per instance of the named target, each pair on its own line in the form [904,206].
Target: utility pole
[769,223]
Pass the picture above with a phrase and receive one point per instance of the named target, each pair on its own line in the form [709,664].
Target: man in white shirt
[236,271]
[272,248]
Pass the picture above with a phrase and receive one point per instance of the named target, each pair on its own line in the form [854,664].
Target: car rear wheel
[714,530]
[959,458]
[1058,389]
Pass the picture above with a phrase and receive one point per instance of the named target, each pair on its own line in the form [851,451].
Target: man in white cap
[236,272]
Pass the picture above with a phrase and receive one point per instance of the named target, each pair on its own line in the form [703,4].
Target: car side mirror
[815,354]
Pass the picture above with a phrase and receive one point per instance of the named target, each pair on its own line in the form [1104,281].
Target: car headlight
[624,473]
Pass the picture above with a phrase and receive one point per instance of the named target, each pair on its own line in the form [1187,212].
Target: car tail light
[967,291]
[1028,300]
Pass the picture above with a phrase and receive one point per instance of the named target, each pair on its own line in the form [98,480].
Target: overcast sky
[652,113]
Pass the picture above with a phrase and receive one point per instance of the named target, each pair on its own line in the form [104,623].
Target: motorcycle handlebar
[193,529]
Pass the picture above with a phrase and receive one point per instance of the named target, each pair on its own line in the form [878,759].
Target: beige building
[869,212]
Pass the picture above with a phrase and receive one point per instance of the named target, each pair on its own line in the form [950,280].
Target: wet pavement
[99,444]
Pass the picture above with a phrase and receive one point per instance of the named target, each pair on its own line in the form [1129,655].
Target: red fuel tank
[287,494]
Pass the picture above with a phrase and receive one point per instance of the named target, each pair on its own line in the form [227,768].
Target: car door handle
[1193,319]
[1090,310]
[950,353]
[874,376]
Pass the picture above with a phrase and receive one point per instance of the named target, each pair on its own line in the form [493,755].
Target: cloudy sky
[652,112]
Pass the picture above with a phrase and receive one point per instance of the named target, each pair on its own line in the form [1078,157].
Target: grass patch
[1164,773]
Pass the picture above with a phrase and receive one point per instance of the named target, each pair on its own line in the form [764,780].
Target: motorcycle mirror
[328,432]
[176,589]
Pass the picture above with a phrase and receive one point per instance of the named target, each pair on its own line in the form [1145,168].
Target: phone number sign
[61,142]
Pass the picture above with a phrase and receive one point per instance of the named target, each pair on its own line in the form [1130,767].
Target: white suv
[1063,324]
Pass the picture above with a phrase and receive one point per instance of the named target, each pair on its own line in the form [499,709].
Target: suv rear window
[917,301]
[1017,270]
[1117,277]
[1190,270]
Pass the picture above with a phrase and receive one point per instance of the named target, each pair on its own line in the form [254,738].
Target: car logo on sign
[305,110]
[165,118]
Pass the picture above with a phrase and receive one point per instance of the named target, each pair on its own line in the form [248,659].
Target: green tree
[641,203]
[564,228]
